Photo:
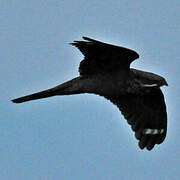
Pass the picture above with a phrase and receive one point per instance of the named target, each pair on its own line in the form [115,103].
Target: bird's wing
[147,116]
[101,57]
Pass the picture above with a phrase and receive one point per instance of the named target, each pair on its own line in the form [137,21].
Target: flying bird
[105,71]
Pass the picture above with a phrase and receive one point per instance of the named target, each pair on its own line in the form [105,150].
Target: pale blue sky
[82,137]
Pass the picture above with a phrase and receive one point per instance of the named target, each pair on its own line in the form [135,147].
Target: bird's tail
[70,87]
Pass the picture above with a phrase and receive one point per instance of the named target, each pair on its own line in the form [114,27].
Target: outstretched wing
[102,58]
[147,116]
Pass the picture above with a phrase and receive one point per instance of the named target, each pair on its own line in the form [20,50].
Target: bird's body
[106,71]
[120,83]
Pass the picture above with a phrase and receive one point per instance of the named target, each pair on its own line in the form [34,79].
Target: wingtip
[73,44]
[85,38]
[166,84]
[21,99]
[15,101]
[89,39]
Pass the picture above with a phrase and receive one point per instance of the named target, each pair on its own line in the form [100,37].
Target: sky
[82,137]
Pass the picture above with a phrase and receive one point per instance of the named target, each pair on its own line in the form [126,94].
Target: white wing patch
[149,85]
[153,131]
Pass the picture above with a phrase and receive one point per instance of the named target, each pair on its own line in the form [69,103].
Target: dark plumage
[106,71]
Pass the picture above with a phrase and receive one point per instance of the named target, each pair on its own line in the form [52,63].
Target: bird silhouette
[105,71]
